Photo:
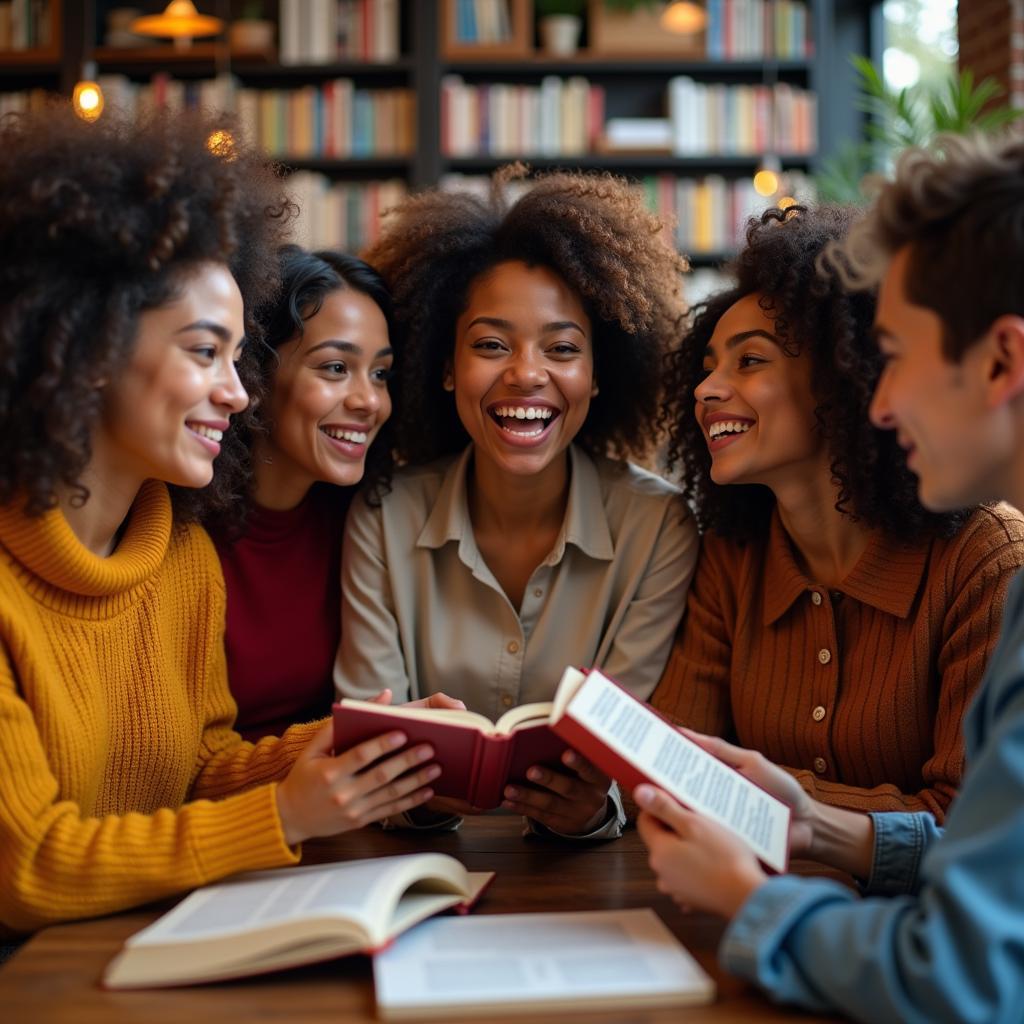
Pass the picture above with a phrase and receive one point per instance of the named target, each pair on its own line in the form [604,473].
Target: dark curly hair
[812,312]
[591,230]
[99,223]
[307,278]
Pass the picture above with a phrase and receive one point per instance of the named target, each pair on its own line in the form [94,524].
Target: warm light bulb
[786,202]
[684,17]
[221,143]
[766,182]
[87,100]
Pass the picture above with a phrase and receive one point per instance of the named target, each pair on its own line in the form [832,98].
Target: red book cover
[475,765]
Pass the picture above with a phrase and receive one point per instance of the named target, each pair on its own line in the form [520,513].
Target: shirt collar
[585,523]
[887,576]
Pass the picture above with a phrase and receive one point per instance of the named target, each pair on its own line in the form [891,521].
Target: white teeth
[525,433]
[204,431]
[727,427]
[519,412]
[355,436]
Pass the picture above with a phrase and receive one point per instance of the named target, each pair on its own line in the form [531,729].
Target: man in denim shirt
[946,240]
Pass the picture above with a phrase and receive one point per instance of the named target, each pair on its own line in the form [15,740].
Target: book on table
[537,963]
[624,737]
[267,920]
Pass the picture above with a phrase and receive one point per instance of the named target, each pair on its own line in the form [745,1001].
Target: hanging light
[87,97]
[767,176]
[684,17]
[180,21]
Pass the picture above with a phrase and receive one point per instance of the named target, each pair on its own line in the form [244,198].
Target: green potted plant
[252,33]
[560,23]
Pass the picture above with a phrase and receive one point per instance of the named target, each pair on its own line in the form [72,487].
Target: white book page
[529,961]
[684,769]
[351,889]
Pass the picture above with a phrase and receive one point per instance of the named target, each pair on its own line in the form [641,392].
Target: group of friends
[239,478]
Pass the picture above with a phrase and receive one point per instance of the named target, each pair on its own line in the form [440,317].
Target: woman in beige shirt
[511,545]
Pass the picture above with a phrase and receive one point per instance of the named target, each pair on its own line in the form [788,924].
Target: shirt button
[824,655]
[815,597]
[513,646]
[506,699]
[820,764]
[818,713]
[538,592]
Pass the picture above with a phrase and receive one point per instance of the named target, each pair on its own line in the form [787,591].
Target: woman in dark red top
[324,370]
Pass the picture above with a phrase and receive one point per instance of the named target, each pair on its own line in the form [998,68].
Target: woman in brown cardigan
[833,624]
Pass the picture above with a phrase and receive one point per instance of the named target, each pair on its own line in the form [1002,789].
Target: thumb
[321,745]
[384,697]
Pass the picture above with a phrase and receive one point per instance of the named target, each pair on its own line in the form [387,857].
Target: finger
[443,701]
[383,773]
[724,751]
[566,786]
[370,804]
[384,697]
[356,758]
[415,799]
[585,770]
[652,831]
[657,802]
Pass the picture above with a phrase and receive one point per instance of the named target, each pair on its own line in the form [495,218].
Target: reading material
[631,742]
[529,963]
[267,920]
[477,757]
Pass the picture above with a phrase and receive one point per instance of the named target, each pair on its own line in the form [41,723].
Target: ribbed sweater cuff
[241,833]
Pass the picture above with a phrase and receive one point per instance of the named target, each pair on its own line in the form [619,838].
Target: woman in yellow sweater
[121,778]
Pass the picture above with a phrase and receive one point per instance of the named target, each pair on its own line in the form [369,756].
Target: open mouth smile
[523,422]
[724,431]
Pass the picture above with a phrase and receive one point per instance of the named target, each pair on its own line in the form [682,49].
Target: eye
[335,368]
[382,374]
[748,359]
[488,345]
[564,348]
[205,352]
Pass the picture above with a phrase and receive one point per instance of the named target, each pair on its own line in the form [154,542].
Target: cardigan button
[513,647]
[820,765]
[815,598]
[818,713]
[824,655]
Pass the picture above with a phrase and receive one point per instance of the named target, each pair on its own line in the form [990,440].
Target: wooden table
[54,978]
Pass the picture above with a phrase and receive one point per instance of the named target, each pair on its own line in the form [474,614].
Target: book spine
[491,761]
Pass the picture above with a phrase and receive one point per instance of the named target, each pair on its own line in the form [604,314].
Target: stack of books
[326,31]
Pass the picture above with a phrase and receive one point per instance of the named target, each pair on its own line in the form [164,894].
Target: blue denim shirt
[947,944]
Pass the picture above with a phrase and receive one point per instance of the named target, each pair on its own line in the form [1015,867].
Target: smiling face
[329,399]
[165,413]
[755,406]
[956,443]
[523,367]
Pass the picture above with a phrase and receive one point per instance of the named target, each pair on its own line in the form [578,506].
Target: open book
[478,757]
[267,920]
[537,963]
[631,742]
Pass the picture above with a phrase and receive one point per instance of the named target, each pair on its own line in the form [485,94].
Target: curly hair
[812,312]
[307,278]
[960,207]
[101,222]
[591,230]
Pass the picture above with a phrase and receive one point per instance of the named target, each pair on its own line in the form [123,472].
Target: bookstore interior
[713,108]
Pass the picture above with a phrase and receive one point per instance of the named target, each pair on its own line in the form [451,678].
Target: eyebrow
[507,325]
[219,330]
[742,336]
[350,347]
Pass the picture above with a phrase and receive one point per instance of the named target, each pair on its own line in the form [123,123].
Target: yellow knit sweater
[121,779]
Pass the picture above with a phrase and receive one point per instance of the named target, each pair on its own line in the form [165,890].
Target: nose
[362,395]
[229,393]
[713,388]
[525,371]
[880,410]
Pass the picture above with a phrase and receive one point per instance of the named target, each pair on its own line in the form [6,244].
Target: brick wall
[992,43]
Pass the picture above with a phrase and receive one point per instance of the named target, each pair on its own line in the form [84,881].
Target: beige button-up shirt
[423,613]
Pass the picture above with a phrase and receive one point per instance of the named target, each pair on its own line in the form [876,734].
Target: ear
[448,380]
[594,389]
[1005,360]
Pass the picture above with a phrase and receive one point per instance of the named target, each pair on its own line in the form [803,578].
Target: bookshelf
[426,56]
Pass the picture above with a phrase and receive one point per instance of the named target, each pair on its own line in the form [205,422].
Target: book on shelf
[643,134]
[327,31]
[544,963]
[757,29]
[478,757]
[343,215]
[25,25]
[268,920]
[624,737]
